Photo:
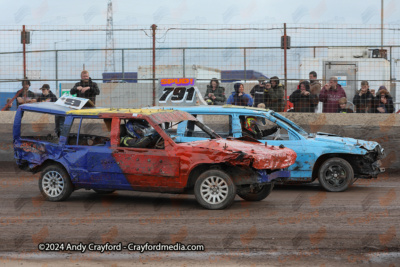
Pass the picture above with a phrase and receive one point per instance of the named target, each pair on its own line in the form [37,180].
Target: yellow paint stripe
[96,111]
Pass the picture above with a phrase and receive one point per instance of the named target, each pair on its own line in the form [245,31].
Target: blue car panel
[311,149]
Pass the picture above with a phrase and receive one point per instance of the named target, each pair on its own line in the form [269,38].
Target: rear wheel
[55,183]
[257,194]
[214,190]
[335,175]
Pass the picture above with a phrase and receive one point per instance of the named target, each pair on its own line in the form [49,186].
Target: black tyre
[104,191]
[214,190]
[257,194]
[55,183]
[335,175]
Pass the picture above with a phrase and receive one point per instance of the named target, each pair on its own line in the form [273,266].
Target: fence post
[59,93]
[123,64]
[23,48]
[184,62]
[244,65]
[154,27]
[285,59]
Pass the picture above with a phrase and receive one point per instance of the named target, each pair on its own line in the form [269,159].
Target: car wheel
[104,191]
[257,194]
[335,175]
[55,183]
[214,190]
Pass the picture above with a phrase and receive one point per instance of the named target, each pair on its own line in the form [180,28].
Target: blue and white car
[334,160]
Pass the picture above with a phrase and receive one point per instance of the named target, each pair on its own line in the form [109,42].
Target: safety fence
[128,61]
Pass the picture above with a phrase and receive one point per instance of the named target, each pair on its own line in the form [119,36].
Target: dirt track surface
[294,226]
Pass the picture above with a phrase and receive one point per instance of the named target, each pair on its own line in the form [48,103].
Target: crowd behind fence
[127,66]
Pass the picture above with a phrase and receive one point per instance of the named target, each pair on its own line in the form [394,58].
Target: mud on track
[295,225]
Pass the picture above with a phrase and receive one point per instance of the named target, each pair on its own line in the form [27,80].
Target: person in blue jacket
[239,98]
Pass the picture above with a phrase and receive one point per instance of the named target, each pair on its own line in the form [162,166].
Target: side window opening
[93,132]
[140,134]
[221,124]
[263,130]
[41,126]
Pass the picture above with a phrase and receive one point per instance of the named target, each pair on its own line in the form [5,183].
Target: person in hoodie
[46,95]
[330,95]
[302,99]
[364,100]
[238,97]
[384,101]
[257,92]
[86,88]
[275,95]
[215,94]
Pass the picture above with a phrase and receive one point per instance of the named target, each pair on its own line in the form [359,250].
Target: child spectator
[261,105]
[343,106]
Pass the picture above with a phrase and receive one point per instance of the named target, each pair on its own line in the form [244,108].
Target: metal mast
[110,58]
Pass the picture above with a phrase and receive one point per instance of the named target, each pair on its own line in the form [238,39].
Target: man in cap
[257,92]
[47,95]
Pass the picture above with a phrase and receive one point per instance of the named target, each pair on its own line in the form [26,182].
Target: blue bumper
[263,177]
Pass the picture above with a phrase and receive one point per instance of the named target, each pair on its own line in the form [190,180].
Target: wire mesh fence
[128,61]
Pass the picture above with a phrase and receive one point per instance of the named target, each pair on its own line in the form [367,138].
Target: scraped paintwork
[109,166]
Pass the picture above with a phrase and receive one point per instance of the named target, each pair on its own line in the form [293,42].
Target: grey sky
[128,12]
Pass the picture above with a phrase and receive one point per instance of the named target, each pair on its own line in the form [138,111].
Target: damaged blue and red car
[85,152]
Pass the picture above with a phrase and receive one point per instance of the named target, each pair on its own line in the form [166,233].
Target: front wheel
[214,190]
[55,184]
[257,194]
[335,175]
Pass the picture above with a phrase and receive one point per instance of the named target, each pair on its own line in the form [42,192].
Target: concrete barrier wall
[382,128]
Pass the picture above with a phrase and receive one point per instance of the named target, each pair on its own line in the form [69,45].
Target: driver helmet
[250,121]
[135,129]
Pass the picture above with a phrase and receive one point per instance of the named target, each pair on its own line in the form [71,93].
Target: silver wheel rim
[335,175]
[53,184]
[214,190]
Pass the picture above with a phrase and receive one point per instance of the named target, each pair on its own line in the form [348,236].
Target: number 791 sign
[180,91]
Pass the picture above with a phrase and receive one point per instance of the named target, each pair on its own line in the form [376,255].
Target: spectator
[86,88]
[343,106]
[258,92]
[384,101]
[26,96]
[9,104]
[380,88]
[261,105]
[239,98]
[315,86]
[330,95]
[215,94]
[364,100]
[47,95]
[302,98]
[275,95]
